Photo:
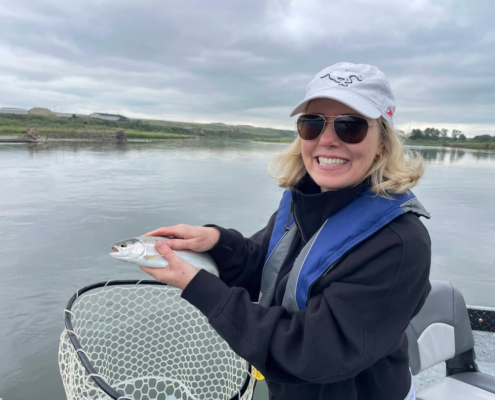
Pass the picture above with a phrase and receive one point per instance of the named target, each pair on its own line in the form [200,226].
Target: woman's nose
[328,138]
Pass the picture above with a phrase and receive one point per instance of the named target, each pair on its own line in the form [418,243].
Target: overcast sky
[247,62]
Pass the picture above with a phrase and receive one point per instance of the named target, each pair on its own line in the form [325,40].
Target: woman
[342,266]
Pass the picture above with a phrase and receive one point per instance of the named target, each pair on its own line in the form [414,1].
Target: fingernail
[160,245]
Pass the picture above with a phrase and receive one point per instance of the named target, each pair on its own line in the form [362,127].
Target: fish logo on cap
[343,78]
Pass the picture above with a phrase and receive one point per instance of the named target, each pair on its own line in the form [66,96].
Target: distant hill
[12,124]
[217,129]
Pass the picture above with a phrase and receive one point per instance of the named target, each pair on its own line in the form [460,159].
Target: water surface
[62,205]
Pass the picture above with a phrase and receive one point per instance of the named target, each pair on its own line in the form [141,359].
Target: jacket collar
[312,207]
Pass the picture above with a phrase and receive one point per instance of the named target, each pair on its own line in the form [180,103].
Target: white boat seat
[442,332]
[478,379]
[454,389]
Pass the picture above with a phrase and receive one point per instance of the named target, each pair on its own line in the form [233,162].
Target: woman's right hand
[188,237]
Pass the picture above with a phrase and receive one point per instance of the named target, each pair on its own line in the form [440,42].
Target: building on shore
[65,115]
[12,110]
[109,117]
[41,111]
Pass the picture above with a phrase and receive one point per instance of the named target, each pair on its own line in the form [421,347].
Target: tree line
[435,134]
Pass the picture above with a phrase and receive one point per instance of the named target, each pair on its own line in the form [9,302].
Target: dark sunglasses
[349,128]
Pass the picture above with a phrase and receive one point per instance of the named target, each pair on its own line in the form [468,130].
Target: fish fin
[147,258]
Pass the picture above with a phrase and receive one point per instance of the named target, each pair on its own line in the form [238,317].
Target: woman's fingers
[176,231]
[187,237]
[152,271]
[168,254]
[182,244]
[178,273]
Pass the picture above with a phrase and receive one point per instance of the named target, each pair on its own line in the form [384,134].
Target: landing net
[139,340]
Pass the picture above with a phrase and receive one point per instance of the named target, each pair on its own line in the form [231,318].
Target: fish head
[128,250]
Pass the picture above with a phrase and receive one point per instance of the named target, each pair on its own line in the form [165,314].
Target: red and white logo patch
[390,113]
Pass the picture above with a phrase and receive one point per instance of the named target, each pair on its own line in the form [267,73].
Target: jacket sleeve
[354,322]
[240,260]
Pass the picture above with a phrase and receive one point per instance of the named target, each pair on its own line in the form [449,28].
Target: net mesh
[148,343]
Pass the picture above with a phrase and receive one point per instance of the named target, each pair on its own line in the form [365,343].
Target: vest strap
[273,265]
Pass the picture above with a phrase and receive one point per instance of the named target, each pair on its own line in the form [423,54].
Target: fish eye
[123,245]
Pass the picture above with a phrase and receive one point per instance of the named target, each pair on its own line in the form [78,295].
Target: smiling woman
[341,267]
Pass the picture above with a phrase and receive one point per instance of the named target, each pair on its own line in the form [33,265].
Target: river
[63,204]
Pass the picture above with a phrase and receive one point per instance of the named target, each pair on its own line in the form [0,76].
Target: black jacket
[349,342]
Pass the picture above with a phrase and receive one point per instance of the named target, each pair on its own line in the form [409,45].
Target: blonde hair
[395,171]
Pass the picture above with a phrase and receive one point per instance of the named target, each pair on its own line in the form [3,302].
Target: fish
[141,250]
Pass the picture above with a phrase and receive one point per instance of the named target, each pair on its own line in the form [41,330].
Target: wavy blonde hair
[396,171]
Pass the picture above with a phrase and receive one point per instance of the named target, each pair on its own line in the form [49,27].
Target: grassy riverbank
[460,145]
[273,140]
[102,134]
[77,127]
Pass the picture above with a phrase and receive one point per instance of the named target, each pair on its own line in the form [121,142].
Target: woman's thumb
[167,252]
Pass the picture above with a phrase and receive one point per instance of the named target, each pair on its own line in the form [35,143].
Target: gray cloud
[247,62]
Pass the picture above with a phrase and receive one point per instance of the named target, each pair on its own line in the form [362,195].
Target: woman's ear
[379,151]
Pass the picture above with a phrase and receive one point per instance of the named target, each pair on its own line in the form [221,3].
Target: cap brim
[350,99]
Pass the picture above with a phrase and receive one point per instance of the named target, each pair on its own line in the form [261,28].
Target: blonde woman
[341,267]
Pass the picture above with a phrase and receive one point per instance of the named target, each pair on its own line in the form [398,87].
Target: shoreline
[102,137]
[470,146]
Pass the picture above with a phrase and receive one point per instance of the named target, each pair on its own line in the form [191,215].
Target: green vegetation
[274,140]
[72,127]
[424,142]
[440,137]
[139,135]
[472,145]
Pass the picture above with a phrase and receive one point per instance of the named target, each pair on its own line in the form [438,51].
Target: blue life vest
[339,234]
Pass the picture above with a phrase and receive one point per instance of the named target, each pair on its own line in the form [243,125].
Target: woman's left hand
[178,273]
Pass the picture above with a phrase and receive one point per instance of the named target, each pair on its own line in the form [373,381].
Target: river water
[63,204]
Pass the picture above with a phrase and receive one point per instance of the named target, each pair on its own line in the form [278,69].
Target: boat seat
[442,332]
[453,389]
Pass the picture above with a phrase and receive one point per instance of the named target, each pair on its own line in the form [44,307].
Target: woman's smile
[330,163]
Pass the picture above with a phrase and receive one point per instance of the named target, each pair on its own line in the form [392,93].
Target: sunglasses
[349,128]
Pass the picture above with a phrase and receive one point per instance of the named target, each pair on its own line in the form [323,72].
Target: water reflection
[441,154]
[449,156]
[197,148]
[74,146]
[215,147]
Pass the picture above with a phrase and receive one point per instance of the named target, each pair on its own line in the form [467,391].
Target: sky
[247,62]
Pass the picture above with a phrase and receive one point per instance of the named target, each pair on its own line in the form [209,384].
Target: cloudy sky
[247,62]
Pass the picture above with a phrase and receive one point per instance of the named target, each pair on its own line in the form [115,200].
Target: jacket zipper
[291,211]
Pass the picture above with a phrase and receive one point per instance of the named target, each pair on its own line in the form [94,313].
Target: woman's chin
[332,183]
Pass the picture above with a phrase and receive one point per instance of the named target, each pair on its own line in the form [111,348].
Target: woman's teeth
[331,162]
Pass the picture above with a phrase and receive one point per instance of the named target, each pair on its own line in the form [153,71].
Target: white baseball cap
[362,87]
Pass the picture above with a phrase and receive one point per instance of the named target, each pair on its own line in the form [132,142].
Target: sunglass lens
[351,129]
[310,126]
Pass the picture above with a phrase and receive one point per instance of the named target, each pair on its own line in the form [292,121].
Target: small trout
[141,250]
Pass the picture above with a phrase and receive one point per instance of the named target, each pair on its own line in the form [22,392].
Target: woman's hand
[188,237]
[178,273]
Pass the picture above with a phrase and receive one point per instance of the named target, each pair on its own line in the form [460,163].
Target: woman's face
[357,158]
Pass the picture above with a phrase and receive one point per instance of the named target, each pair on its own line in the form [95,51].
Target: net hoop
[248,384]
